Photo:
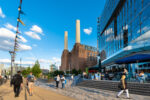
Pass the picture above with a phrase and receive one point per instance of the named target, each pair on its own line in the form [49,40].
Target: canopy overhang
[134,59]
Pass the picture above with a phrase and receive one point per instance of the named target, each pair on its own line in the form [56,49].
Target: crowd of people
[17,81]
[139,77]
[97,76]
[61,79]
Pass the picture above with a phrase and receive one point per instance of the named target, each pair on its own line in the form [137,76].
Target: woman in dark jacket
[123,85]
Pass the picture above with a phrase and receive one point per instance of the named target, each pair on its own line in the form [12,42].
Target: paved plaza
[6,93]
[47,91]
[84,93]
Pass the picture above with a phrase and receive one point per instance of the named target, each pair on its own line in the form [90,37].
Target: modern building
[80,57]
[1,68]
[124,36]
[53,68]
[45,71]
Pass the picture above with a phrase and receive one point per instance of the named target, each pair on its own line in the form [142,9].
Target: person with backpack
[17,82]
[63,81]
[30,83]
[123,85]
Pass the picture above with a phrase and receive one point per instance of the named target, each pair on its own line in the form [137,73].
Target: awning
[93,71]
[134,59]
[94,68]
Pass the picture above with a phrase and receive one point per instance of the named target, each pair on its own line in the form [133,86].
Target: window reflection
[131,22]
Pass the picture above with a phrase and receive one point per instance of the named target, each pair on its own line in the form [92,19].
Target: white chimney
[66,40]
[77,31]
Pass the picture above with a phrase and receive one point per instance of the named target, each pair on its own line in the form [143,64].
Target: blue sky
[46,21]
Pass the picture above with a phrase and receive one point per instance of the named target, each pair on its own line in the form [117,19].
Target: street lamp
[12,59]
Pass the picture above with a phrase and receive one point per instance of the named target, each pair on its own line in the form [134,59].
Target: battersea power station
[80,57]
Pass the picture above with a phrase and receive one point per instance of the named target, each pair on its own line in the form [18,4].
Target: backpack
[16,80]
[31,79]
[65,81]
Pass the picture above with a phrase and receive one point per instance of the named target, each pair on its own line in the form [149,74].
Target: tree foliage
[26,71]
[76,72]
[36,69]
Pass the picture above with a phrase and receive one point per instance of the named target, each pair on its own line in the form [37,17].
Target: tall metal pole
[20,63]
[11,54]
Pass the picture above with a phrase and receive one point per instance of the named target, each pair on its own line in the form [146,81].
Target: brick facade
[80,57]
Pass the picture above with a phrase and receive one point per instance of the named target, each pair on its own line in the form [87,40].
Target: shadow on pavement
[51,85]
[4,93]
[93,91]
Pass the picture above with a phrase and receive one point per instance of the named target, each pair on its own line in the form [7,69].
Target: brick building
[80,57]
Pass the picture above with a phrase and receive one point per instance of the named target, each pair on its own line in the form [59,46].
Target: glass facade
[124,25]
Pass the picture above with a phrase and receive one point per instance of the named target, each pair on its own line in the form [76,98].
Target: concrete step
[134,88]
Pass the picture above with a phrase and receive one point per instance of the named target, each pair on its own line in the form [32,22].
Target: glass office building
[124,36]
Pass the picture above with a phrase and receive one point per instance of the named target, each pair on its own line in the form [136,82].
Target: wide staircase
[134,88]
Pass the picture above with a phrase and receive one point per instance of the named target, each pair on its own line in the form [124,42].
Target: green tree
[75,72]
[79,71]
[36,69]
[87,70]
[26,72]
[57,72]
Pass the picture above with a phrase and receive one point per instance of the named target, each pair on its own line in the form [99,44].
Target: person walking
[106,76]
[17,82]
[63,81]
[72,77]
[123,85]
[57,81]
[30,83]
[141,77]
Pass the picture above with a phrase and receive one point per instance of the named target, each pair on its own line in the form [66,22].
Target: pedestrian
[63,80]
[123,85]
[72,77]
[106,76]
[92,76]
[30,83]
[141,77]
[17,82]
[57,81]
[96,76]
[72,80]
[99,76]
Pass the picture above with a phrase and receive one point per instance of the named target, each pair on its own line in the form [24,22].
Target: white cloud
[11,27]
[8,61]
[7,40]
[44,61]
[23,47]
[33,35]
[30,58]
[144,36]
[33,32]
[109,31]
[22,39]
[56,61]
[88,30]
[25,62]
[1,13]
[36,29]
[7,34]
[5,61]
